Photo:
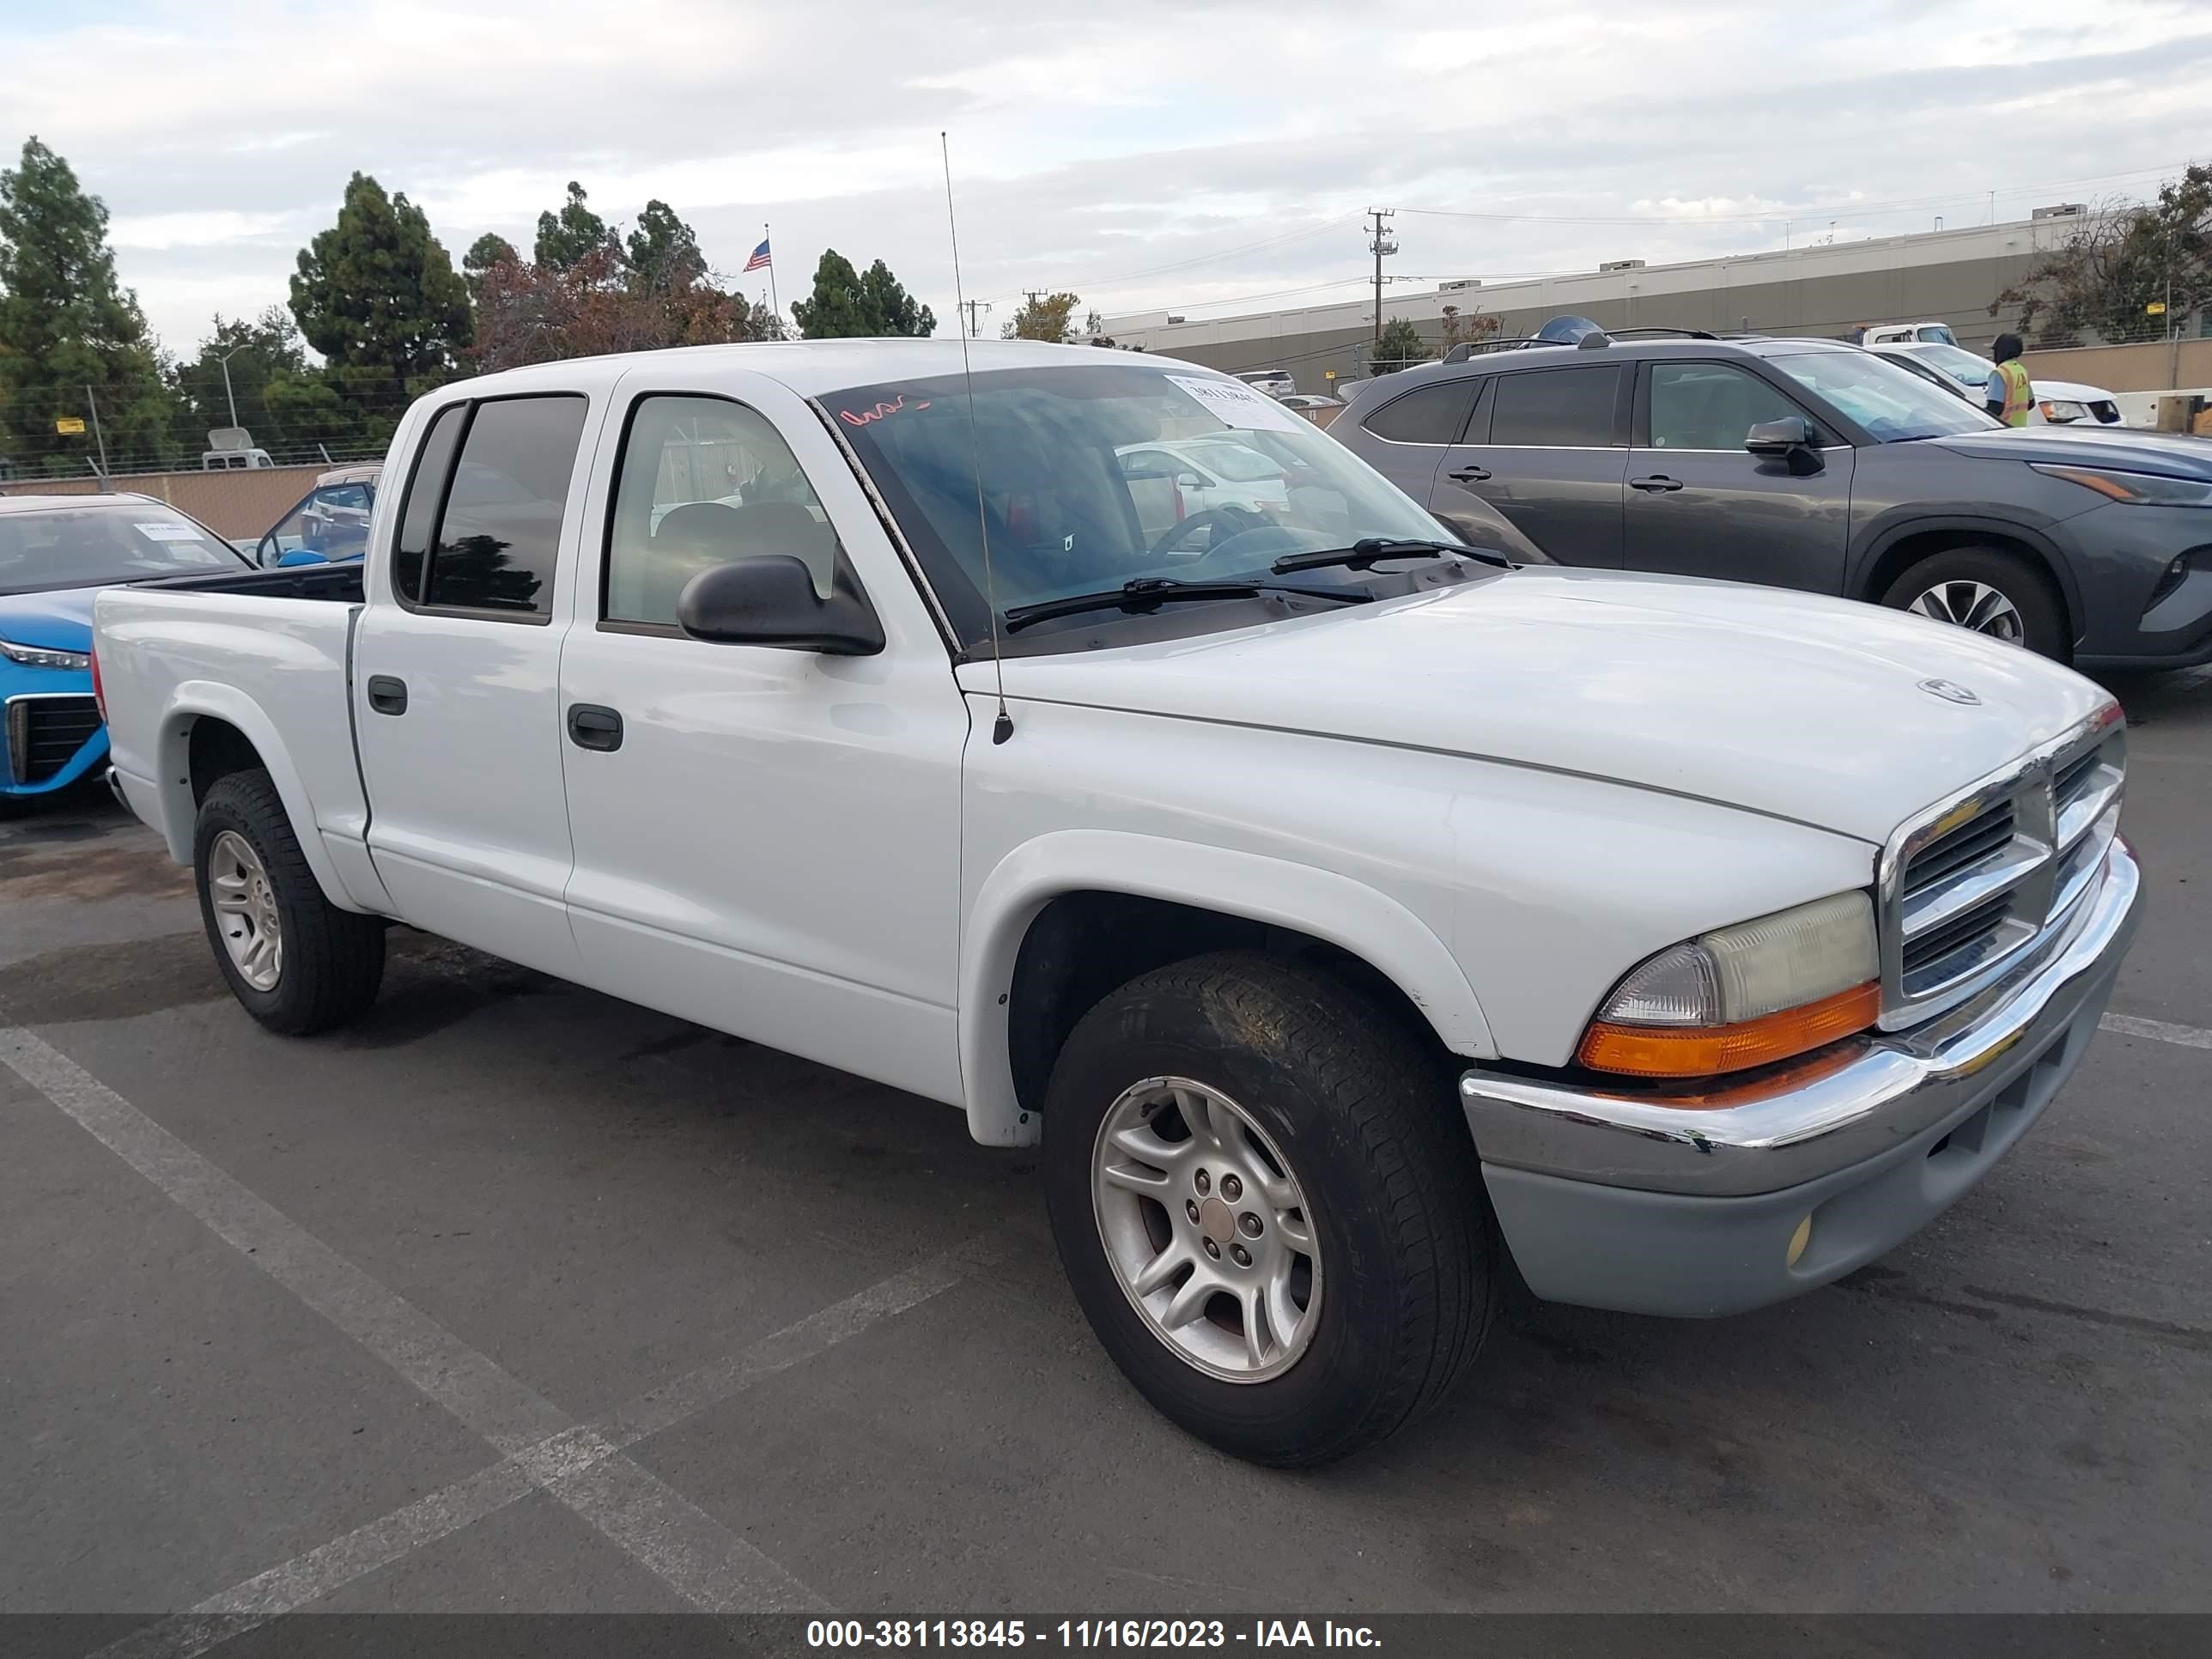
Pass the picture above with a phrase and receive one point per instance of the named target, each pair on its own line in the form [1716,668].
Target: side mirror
[1779,437]
[771,600]
[1791,439]
[1189,481]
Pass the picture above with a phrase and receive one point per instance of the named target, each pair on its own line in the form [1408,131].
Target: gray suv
[1811,464]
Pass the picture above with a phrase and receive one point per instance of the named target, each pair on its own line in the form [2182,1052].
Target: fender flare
[1887,534]
[1346,913]
[194,700]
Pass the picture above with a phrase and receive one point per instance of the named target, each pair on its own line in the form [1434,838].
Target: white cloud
[1160,153]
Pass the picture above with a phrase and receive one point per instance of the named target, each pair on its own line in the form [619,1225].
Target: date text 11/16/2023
[1087,1633]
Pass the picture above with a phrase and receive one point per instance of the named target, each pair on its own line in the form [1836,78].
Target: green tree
[378,297]
[845,305]
[1401,346]
[2119,262]
[488,251]
[1045,317]
[664,252]
[66,324]
[255,354]
[564,239]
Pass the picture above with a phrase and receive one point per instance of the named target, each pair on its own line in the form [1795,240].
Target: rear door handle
[594,726]
[387,695]
[1658,483]
[1470,475]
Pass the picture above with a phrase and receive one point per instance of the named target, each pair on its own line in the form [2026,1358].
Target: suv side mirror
[1792,440]
[1778,438]
[770,599]
[1189,481]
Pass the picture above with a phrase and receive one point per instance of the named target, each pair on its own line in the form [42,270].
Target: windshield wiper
[1362,555]
[1148,592]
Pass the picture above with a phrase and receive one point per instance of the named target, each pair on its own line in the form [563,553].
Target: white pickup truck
[1356,920]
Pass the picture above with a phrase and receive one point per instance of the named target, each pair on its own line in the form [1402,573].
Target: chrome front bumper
[1837,1111]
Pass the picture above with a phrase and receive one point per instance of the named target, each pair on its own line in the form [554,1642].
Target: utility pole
[1380,245]
[973,306]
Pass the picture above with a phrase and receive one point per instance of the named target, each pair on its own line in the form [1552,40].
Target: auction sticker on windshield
[167,532]
[1239,404]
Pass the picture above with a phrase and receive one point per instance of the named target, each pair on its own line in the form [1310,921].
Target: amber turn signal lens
[1710,1050]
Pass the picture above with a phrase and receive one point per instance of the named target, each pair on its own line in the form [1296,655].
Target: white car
[1342,914]
[1906,333]
[1275,382]
[1173,480]
[2058,403]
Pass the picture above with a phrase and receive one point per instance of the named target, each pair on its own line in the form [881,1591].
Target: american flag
[759,256]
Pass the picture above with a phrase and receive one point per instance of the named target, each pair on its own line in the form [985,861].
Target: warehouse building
[1824,289]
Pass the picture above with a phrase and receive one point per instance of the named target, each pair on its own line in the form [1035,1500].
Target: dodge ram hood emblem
[1950,690]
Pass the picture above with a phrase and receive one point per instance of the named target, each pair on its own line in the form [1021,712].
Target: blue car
[56,553]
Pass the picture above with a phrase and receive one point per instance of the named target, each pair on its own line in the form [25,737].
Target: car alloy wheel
[1975,606]
[1206,1228]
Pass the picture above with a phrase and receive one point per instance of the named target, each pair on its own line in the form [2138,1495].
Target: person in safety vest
[2009,396]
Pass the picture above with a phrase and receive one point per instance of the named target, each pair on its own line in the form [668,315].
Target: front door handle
[387,695]
[594,726]
[1470,475]
[1657,484]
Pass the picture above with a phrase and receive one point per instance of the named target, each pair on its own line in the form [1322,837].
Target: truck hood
[2133,450]
[1803,707]
[60,620]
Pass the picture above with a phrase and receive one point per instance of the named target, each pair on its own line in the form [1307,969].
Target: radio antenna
[1003,727]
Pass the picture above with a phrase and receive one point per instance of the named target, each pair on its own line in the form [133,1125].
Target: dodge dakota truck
[1353,919]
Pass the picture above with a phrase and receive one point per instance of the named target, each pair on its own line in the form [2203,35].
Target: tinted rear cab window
[1556,408]
[498,512]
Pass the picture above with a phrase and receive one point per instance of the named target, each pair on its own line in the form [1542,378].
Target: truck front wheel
[1268,1206]
[295,961]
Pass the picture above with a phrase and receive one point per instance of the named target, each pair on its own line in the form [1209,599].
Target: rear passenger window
[418,517]
[500,531]
[1555,408]
[1433,415]
[705,482]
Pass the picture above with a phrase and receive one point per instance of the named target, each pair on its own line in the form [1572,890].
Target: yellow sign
[2156,308]
[1328,373]
[69,428]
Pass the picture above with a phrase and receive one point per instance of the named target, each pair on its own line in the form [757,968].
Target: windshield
[1961,364]
[1087,483]
[103,542]
[1888,400]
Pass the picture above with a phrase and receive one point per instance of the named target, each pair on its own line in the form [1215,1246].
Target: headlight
[2058,411]
[1743,996]
[37,656]
[2138,489]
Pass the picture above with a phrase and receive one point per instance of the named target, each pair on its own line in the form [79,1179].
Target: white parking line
[584,1468]
[2187,1036]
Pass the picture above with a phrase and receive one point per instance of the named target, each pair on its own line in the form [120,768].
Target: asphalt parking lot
[516,1298]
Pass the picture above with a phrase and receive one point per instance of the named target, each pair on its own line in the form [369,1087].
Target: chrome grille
[1971,886]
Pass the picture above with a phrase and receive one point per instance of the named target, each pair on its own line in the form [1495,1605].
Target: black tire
[1365,1117]
[2026,588]
[333,960]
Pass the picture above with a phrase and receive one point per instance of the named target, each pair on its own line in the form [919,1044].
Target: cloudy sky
[1201,155]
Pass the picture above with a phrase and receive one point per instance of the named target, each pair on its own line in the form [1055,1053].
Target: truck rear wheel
[296,962]
[1268,1206]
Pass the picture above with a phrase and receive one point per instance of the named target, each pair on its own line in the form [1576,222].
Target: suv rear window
[1433,415]
[1555,408]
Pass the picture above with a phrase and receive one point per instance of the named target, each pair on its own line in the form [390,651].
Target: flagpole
[774,304]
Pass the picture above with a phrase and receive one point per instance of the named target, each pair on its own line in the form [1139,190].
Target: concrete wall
[2158,366]
[1825,290]
[234,505]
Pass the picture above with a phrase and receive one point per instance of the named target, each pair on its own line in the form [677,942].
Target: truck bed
[268,653]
